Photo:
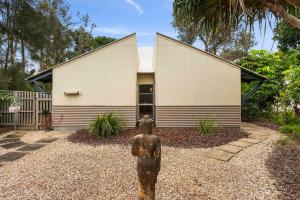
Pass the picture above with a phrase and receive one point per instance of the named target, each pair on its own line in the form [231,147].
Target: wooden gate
[34,106]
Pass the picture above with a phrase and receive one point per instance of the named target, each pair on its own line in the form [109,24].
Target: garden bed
[5,130]
[173,137]
[284,166]
[266,124]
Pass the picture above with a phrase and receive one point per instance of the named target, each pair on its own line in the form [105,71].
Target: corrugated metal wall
[188,116]
[77,117]
[107,81]
[106,77]
[193,83]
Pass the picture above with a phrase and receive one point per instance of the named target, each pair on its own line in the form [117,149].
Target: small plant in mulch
[106,125]
[207,125]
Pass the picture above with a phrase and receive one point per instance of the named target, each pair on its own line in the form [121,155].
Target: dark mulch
[269,125]
[5,130]
[173,137]
[284,166]
[266,124]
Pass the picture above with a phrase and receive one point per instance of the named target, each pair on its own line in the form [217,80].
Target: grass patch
[285,141]
[207,126]
[292,132]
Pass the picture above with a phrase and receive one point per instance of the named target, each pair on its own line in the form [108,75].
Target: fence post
[36,111]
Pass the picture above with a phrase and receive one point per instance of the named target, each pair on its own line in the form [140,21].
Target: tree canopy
[288,37]
[208,15]
[40,33]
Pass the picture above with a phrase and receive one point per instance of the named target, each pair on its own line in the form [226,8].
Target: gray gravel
[63,170]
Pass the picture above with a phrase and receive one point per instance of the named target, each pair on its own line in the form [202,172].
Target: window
[146,89]
[146,110]
[146,99]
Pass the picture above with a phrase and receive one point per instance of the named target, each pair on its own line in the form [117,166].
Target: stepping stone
[11,156]
[259,137]
[49,140]
[13,145]
[230,148]
[220,155]
[250,140]
[240,144]
[259,133]
[31,147]
[9,140]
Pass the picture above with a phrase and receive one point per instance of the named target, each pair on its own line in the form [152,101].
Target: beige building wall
[105,77]
[106,80]
[186,76]
[191,84]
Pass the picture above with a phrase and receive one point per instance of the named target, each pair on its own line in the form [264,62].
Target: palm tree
[208,14]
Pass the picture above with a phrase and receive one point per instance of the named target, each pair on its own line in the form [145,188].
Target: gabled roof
[246,74]
[45,75]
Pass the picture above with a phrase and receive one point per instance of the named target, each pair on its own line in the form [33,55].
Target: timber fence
[35,111]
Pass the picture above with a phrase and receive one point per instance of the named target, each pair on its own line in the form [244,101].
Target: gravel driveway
[64,170]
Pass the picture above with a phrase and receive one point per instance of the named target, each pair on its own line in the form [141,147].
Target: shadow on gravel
[172,137]
[284,166]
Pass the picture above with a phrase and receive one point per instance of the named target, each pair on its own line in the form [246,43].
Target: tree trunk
[41,59]
[12,52]
[6,57]
[277,9]
[295,3]
[23,55]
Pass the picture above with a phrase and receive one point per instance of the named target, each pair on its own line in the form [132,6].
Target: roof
[246,74]
[145,62]
[48,72]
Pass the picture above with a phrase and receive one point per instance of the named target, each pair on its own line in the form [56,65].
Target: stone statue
[148,150]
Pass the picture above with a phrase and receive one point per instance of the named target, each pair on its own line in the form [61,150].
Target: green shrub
[207,125]
[292,131]
[285,118]
[106,125]
[286,129]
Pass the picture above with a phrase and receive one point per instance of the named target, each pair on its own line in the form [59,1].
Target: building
[175,83]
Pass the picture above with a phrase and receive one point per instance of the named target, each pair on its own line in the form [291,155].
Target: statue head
[146,125]
[146,117]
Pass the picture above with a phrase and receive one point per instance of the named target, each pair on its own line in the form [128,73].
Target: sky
[118,18]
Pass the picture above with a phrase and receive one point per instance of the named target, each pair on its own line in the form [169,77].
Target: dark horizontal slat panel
[188,116]
[81,116]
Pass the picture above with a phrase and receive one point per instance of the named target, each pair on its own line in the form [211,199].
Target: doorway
[145,100]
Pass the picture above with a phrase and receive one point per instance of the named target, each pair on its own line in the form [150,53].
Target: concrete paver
[230,148]
[220,155]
